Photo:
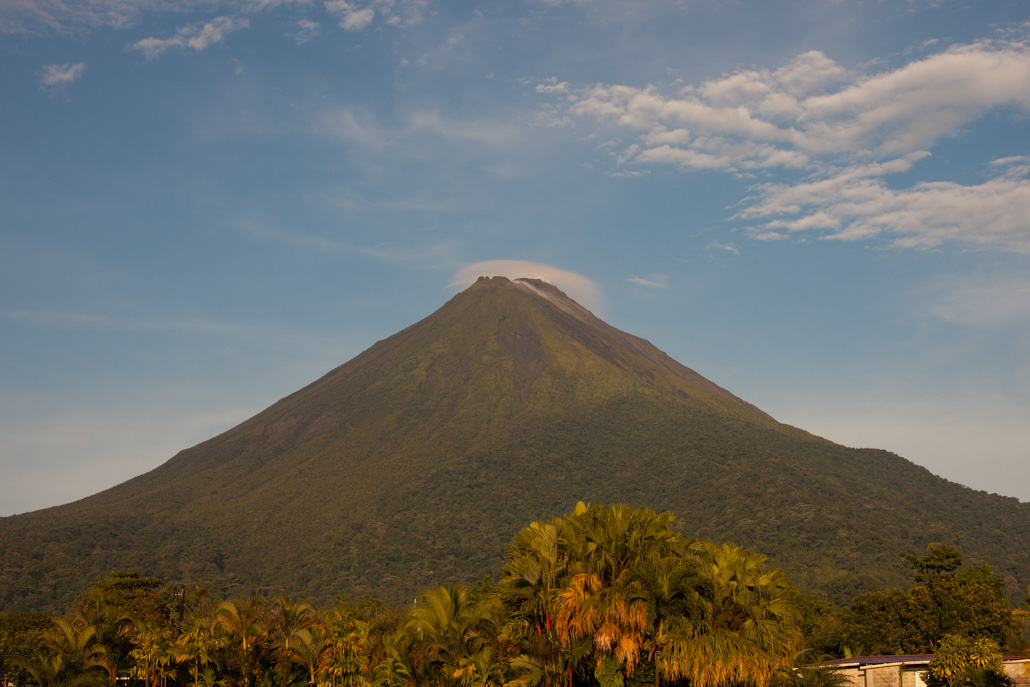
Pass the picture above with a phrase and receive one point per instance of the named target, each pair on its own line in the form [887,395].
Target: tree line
[607,596]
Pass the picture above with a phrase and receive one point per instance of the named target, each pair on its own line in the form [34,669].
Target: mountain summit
[415,463]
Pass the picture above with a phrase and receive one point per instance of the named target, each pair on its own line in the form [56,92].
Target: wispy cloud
[93,321]
[306,31]
[988,300]
[30,17]
[39,17]
[54,78]
[55,75]
[653,281]
[355,15]
[415,134]
[197,37]
[857,203]
[846,131]
[436,254]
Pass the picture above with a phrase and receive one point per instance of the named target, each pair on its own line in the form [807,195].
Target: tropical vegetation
[608,596]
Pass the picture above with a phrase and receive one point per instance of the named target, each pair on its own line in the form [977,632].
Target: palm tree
[154,651]
[396,669]
[66,654]
[286,620]
[445,628]
[350,647]
[531,577]
[308,650]
[606,598]
[112,628]
[246,634]
[744,627]
[671,583]
[44,665]
[196,644]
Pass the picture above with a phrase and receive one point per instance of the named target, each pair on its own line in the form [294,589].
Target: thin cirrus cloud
[32,17]
[979,301]
[41,17]
[846,130]
[653,281]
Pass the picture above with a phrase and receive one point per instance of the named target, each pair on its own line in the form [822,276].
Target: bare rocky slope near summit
[414,464]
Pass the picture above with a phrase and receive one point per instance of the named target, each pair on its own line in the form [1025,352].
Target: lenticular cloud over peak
[579,288]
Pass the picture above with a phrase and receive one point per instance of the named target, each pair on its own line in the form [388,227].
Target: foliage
[607,596]
[618,586]
[126,593]
[961,660]
[940,561]
[17,637]
[947,602]
[810,676]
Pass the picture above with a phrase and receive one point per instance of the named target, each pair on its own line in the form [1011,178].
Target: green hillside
[411,465]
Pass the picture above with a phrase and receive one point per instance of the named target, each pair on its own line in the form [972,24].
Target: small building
[906,670]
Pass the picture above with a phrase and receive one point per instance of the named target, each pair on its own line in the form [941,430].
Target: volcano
[414,464]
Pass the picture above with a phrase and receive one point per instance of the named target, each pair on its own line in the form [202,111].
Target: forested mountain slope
[411,465]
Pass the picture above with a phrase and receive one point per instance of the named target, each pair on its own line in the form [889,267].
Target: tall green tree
[286,620]
[945,601]
[941,560]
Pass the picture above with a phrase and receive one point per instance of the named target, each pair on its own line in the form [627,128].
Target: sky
[822,206]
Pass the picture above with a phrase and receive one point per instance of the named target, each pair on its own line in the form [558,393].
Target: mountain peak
[411,465]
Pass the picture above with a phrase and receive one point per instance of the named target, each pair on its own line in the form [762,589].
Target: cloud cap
[581,289]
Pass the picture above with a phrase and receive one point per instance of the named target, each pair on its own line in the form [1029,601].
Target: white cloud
[581,289]
[552,86]
[854,203]
[812,107]
[54,75]
[653,281]
[355,15]
[197,37]
[846,130]
[352,17]
[307,31]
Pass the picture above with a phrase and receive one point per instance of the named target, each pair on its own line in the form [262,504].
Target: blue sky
[207,204]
